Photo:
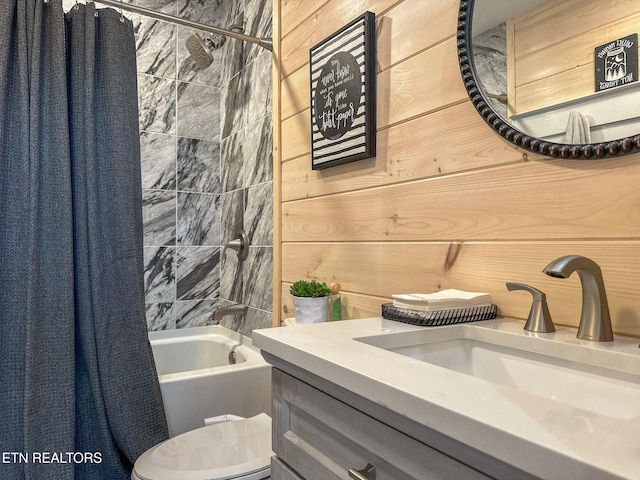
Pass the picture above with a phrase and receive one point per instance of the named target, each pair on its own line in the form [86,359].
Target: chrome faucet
[237,309]
[595,321]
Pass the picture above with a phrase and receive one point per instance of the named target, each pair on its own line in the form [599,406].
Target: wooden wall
[446,203]
[551,48]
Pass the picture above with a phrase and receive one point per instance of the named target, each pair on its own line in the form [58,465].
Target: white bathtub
[197,381]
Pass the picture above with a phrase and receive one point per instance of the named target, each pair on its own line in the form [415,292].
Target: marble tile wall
[490,59]
[206,159]
[246,173]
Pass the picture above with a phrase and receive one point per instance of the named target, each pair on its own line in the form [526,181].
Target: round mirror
[555,77]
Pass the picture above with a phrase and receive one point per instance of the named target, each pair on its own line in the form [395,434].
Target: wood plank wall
[446,203]
[553,48]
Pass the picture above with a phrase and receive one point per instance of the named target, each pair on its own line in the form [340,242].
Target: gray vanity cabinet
[317,437]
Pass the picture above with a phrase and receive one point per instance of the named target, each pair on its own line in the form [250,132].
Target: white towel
[578,129]
[442,300]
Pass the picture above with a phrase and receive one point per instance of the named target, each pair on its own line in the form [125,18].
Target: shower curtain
[79,395]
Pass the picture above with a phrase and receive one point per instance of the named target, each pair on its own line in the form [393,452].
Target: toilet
[238,450]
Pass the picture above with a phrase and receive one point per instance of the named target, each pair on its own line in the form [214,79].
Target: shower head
[266,43]
[201,49]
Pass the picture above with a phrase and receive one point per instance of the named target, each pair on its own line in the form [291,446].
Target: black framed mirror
[539,128]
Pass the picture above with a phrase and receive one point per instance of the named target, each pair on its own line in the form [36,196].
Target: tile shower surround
[206,159]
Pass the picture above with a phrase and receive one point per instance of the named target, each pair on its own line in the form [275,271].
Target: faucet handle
[240,244]
[539,319]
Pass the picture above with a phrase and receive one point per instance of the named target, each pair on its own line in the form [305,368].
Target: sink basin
[596,377]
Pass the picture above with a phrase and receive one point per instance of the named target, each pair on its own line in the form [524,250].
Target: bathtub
[197,381]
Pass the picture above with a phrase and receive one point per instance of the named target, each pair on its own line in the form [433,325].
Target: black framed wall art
[616,63]
[343,89]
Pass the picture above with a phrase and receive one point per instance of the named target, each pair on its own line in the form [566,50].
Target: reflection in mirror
[537,75]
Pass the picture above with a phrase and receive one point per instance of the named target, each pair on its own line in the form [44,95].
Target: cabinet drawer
[280,471]
[322,438]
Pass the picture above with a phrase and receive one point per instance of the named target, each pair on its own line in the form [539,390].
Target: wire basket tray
[440,317]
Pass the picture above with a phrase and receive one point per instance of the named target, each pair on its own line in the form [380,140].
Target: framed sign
[343,109]
[616,63]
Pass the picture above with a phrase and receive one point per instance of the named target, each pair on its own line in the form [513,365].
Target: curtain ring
[121,13]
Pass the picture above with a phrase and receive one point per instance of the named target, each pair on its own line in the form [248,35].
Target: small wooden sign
[343,110]
[616,63]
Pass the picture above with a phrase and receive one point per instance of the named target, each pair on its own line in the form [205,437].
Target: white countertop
[543,437]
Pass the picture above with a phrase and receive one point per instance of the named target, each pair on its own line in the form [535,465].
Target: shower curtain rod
[263,42]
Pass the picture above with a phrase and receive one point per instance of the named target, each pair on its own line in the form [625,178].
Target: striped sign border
[358,40]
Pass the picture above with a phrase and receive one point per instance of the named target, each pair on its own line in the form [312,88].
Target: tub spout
[595,321]
[237,309]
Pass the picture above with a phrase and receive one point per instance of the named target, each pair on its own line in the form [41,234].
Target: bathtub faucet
[237,309]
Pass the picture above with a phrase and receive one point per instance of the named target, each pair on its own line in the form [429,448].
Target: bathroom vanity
[323,437]
[477,400]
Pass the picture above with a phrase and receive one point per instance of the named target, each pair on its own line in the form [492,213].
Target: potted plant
[310,301]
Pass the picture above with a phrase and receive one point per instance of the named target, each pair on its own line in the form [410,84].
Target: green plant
[304,288]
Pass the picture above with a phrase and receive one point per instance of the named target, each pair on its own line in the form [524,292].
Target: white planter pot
[311,310]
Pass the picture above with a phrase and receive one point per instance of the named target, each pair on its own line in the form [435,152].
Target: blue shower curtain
[79,396]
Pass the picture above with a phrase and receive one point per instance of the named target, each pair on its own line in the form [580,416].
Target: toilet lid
[216,452]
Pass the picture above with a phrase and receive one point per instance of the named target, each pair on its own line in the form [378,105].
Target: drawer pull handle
[367,473]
